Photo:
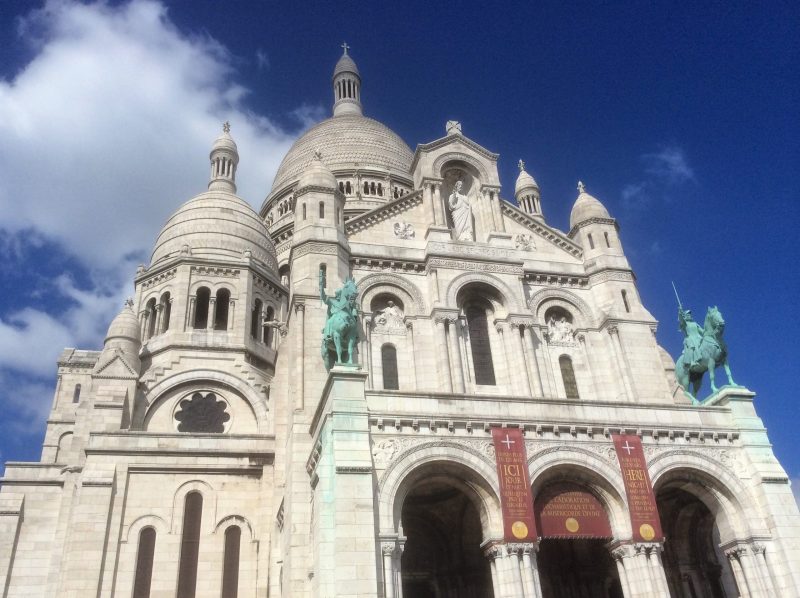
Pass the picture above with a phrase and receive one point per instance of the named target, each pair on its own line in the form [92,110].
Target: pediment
[401,219]
[115,366]
[543,236]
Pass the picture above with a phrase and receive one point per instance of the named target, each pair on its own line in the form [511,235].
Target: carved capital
[612,330]
[494,551]
[758,548]
[735,553]
[299,307]
[581,338]
[388,548]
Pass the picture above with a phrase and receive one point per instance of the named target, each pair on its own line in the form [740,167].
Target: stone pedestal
[346,561]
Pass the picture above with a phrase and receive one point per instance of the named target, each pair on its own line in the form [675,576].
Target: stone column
[640,574]
[588,360]
[433,281]
[388,549]
[442,359]
[190,312]
[495,198]
[231,309]
[456,366]
[521,359]
[299,357]
[159,315]
[752,573]
[515,566]
[657,569]
[548,367]
[760,557]
[493,554]
[532,361]
[427,198]
[620,554]
[530,569]
[616,349]
[212,310]
[366,359]
[412,357]
[438,208]
[738,572]
[145,318]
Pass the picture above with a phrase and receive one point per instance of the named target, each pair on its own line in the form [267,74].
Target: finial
[345,47]
[581,187]
[317,155]
[453,127]
[129,302]
[521,165]
[226,127]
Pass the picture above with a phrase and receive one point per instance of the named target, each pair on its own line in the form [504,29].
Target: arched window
[201,308]
[268,332]
[391,380]
[341,186]
[166,311]
[372,188]
[347,188]
[151,318]
[396,194]
[625,301]
[221,311]
[380,189]
[481,349]
[190,545]
[255,320]
[608,243]
[322,210]
[230,560]
[144,563]
[76,394]
[366,187]
[591,241]
[568,376]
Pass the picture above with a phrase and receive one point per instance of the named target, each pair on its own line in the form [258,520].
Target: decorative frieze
[219,272]
[159,278]
[391,209]
[475,266]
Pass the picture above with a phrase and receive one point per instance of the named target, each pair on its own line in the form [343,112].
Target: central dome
[347,142]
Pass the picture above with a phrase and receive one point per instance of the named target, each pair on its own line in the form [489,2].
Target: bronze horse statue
[341,325]
[703,350]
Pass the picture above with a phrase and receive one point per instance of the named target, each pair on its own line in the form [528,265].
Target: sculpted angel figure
[461,211]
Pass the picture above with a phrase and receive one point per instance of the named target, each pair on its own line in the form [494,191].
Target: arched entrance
[573,558]
[442,557]
[693,562]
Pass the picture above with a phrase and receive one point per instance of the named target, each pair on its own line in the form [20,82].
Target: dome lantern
[346,86]
[526,192]
[224,158]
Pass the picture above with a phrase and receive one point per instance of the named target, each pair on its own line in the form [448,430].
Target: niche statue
[341,326]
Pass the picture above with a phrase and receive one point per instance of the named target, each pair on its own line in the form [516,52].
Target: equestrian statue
[703,350]
[341,325]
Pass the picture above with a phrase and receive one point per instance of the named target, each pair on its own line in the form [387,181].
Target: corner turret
[224,158]
[526,192]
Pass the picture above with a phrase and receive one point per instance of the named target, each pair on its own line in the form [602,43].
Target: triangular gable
[116,367]
[406,209]
[514,216]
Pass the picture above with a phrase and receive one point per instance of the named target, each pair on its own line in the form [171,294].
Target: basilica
[396,379]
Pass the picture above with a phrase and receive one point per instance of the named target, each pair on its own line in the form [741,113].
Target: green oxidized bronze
[703,350]
[341,327]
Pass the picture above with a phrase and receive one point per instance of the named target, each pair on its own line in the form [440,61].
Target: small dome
[524,180]
[215,225]
[586,207]
[124,327]
[317,174]
[225,141]
[345,64]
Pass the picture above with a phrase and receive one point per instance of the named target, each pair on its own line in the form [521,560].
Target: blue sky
[681,118]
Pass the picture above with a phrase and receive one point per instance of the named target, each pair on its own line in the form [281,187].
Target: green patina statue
[703,350]
[341,326]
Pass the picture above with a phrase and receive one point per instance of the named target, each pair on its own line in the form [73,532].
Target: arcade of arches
[450,548]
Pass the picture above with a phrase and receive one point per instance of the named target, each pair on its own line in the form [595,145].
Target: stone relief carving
[560,330]
[524,242]
[389,318]
[404,230]
[393,449]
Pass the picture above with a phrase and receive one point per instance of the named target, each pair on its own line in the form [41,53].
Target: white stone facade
[307,482]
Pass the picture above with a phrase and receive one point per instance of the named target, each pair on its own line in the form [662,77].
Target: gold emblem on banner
[519,529]
[572,525]
[647,531]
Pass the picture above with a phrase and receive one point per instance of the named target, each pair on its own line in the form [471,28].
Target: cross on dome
[521,165]
[226,127]
[345,47]
[581,187]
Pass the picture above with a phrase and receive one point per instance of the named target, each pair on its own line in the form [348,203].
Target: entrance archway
[693,562]
[442,557]
[573,558]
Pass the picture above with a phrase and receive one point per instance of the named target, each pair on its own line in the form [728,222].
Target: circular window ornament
[203,413]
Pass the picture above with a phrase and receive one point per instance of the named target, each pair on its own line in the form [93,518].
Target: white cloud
[262,60]
[106,131]
[669,164]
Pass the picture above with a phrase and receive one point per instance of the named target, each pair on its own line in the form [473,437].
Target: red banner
[515,486]
[641,500]
[566,510]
